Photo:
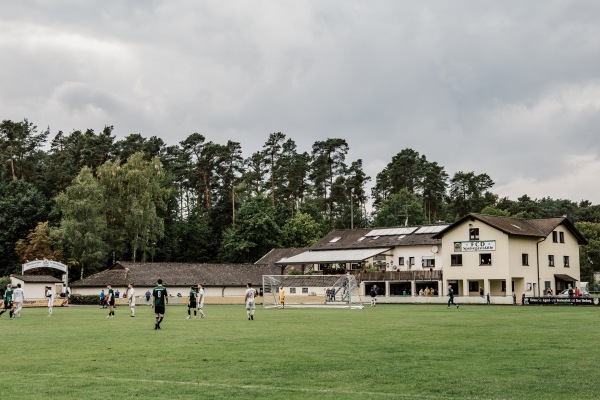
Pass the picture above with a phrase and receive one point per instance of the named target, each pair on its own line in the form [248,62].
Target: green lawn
[388,352]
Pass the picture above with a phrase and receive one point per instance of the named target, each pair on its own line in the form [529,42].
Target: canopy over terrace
[332,256]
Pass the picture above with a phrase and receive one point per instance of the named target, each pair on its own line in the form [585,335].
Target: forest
[87,199]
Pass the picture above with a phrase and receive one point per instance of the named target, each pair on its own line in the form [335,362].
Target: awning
[331,256]
[564,277]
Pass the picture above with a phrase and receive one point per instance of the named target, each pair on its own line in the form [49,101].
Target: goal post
[304,291]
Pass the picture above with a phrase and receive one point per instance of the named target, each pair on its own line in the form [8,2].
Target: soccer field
[387,352]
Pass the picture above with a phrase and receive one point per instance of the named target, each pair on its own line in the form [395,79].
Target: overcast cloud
[507,88]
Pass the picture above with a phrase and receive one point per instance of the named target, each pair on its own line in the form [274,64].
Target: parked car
[565,293]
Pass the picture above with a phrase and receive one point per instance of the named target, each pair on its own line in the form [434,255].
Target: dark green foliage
[254,233]
[205,193]
[22,206]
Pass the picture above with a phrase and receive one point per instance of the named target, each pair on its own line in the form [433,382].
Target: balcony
[427,275]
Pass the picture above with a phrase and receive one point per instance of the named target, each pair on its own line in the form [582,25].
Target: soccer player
[282,297]
[8,301]
[201,301]
[192,303]
[50,297]
[110,299]
[374,293]
[159,300]
[18,297]
[131,298]
[451,296]
[249,300]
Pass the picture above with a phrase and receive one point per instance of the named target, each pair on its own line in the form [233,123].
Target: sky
[506,88]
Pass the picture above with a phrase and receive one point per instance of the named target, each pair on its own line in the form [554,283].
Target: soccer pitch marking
[252,387]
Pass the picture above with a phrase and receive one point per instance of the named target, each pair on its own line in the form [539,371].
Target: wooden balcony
[435,275]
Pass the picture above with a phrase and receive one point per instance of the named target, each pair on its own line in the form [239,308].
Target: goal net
[327,291]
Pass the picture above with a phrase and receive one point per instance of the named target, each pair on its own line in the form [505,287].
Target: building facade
[504,256]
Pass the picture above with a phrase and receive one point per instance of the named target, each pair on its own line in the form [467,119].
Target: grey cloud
[506,88]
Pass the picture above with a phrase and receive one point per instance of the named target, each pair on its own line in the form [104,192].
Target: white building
[479,254]
[505,255]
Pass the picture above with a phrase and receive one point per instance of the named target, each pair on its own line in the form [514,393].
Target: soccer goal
[303,291]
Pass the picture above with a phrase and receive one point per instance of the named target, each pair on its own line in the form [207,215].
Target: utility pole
[351,208]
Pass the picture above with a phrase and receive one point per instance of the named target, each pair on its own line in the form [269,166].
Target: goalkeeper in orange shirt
[281,297]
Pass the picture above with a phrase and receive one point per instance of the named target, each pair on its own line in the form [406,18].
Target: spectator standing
[102,299]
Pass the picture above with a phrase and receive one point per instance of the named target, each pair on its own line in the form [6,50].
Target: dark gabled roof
[277,254]
[537,228]
[37,278]
[179,274]
[357,239]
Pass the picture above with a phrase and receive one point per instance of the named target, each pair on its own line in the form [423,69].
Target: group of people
[160,299]
[196,302]
[427,291]
[13,300]
[330,294]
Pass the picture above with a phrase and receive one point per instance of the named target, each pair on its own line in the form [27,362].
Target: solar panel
[392,231]
[431,229]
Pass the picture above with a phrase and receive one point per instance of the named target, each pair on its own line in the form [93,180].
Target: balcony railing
[435,275]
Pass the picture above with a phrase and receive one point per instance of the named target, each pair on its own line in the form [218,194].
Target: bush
[88,299]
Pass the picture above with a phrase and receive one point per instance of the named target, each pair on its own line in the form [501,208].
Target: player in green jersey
[111,301]
[159,300]
[192,303]
[8,303]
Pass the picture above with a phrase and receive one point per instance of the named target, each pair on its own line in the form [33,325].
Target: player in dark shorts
[192,304]
[110,299]
[159,300]
[8,303]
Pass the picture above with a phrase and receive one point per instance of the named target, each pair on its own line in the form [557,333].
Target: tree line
[88,199]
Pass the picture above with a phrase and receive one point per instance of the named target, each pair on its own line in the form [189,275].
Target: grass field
[387,352]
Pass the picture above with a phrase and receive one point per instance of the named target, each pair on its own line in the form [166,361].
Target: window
[292,290]
[428,262]
[411,261]
[561,237]
[547,285]
[485,259]
[335,239]
[400,260]
[566,261]
[555,237]
[503,286]
[473,286]
[456,259]
[473,233]
[525,259]
[305,290]
[550,260]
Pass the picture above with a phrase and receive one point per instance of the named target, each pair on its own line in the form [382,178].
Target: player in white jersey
[50,298]
[249,300]
[18,297]
[131,298]
[200,301]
